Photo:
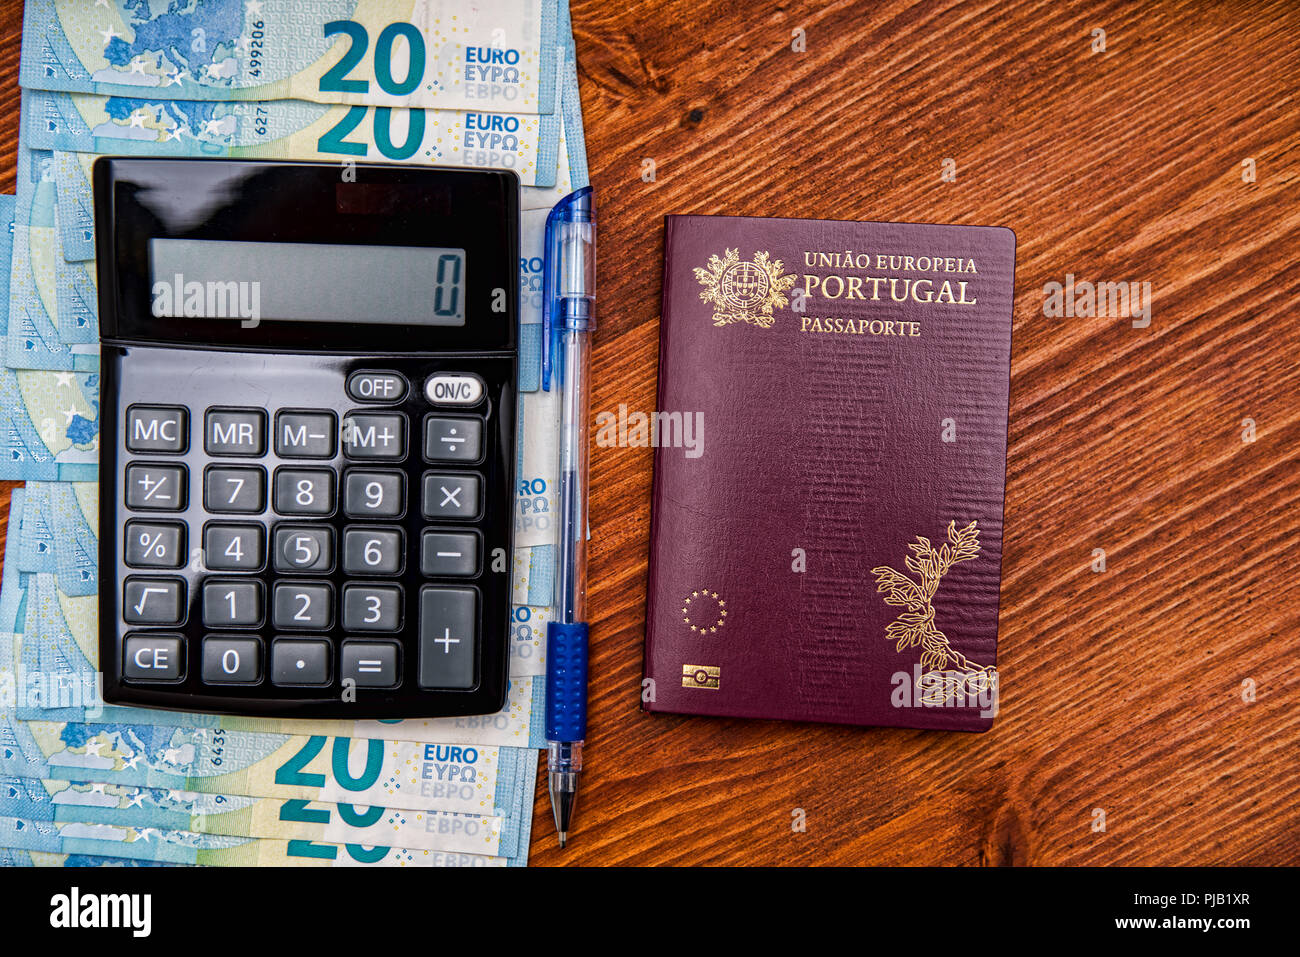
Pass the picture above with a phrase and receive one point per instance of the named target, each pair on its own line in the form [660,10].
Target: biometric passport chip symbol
[945,674]
[744,291]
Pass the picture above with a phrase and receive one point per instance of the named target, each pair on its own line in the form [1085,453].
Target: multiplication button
[157,428]
[448,635]
[450,495]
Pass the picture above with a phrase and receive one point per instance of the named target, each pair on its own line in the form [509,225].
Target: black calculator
[307,436]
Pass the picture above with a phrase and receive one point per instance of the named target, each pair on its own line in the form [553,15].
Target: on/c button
[153,657]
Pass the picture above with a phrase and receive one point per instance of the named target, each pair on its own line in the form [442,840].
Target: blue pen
[569,298]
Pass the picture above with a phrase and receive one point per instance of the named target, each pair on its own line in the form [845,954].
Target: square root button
[371,664]
[448,636]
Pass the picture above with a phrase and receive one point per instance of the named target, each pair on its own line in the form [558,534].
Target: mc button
[156,428]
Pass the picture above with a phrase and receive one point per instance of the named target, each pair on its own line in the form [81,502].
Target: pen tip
[564,839]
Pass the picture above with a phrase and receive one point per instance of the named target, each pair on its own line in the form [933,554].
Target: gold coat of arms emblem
[744,290]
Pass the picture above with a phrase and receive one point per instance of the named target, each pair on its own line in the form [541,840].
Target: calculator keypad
[322,548]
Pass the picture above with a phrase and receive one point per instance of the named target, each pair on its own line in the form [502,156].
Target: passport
[827,546]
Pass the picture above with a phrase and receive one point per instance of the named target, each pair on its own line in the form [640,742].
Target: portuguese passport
[827,546]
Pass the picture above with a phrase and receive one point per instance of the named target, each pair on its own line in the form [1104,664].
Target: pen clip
[574,208]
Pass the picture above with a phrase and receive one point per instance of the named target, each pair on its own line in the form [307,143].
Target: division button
[234,432]
[376,386]
[371,664]
[374,435]
[153,657]
[300,662]
[453,439]
[448,553]
[450,495]
[157,428]
[231,661]
[153,601]
[448,636]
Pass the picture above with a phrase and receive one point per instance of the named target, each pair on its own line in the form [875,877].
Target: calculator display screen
[307,282]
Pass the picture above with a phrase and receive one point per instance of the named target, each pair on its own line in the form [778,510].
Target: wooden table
[1123,690]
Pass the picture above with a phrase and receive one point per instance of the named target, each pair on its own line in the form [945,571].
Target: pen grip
[566,681]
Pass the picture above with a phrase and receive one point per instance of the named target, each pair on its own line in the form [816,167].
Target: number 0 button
[232,661]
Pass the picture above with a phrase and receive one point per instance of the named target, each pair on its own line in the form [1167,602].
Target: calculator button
[153,601]
[450,495]
[234,432]
[454,389]
[372,608]
[453,440]
[298,662]
[308,435]
[448,553]
[155,544]
[304,548]
[372,551]
[231,661]
[234,489]
[373,493]
[232,604]
[371,664]
[448,634]
[232,547]
[159,487]
[153,657]
[376,386]
[157,428]
[374,436]
[302,605]
[304,491]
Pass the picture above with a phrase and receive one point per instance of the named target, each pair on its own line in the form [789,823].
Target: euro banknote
[78,840]
[13,857]
[493,55]
[401,774]
[142,125]
[236,815]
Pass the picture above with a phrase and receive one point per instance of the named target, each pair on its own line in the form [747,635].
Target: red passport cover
[826,537]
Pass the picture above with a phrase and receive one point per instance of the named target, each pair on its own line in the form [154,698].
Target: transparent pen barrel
[571,571]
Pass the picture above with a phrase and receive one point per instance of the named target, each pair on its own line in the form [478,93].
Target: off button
[376,386]
[458,388]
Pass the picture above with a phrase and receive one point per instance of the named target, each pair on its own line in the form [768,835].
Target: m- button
[157,428]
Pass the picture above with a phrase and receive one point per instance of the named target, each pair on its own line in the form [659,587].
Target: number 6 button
[372,551]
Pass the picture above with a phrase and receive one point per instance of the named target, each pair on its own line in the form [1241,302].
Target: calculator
[308,434]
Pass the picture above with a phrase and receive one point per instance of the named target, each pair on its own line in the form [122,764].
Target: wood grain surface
[1122,690]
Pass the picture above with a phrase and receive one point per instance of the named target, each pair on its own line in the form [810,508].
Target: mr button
[152,657]
[234,432]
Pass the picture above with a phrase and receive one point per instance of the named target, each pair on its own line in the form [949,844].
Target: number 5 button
[303,548]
